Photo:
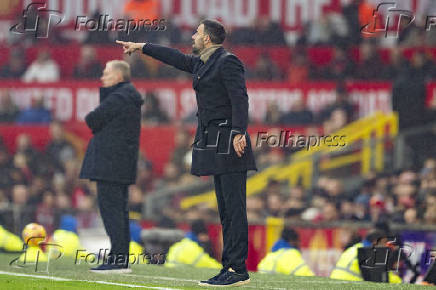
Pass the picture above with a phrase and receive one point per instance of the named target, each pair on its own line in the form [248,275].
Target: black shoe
[229,279]
[111,269]
[214,278]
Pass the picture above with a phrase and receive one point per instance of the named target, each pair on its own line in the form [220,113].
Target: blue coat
[222,113]
[112,153]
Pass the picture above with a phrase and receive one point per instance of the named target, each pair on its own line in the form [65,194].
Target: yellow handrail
[300,167]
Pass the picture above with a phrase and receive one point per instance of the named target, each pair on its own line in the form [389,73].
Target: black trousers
[430,276]
[112,201]
[230,190]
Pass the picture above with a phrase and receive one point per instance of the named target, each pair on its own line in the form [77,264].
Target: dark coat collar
[205,67]
[106,91]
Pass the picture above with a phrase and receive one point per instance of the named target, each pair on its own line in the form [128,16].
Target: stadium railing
[366,142]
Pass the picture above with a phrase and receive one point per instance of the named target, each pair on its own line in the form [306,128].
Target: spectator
[347,210]
[145,177]
[409,94]
[273,114]
[265,69]
[422,67]
[42,70]
[341,103]
[411,216]
[242,35]
[397,66]
[172,33]
[59,149]
[298,71]
[136,202]
[351,14]
[182,147]
[30,155]
[45,214]
[255,208]
[370,66]
[319,31]
[170,178]
[338,119]
[88,66]
[339,68]
[97,36]
[330,212]
[297,115]
[6,167]
[274,203]
[36,113]
[268,32]
[8,110]
[15,67]
[20,196]
[138,66]
[153,114]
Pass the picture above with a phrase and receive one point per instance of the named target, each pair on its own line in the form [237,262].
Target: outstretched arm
[168,55]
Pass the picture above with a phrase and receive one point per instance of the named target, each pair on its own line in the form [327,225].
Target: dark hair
[215,30]
[198,227]
[375,236]
[290,235]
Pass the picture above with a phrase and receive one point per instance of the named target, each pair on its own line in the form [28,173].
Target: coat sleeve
[171,56]
[232,74]
[104,113]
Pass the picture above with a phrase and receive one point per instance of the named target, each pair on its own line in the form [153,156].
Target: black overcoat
[222,113]
[112,153]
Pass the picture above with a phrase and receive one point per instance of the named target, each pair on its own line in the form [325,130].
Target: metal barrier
[367,141]
[377,151]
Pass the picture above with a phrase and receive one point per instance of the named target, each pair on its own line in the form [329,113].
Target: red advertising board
[71,101]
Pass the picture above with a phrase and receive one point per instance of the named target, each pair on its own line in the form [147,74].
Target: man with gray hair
[112,156]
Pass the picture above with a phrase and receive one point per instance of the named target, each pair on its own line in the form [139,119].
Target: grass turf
[155,277]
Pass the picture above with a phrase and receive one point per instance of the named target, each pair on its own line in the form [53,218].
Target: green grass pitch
[64,274]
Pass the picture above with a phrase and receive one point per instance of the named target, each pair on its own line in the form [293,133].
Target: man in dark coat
[222,146]
[112,156]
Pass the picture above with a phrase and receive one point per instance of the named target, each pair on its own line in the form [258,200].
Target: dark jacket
[112,153]
[222,102]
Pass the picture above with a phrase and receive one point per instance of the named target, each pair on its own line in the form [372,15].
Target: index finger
[120,42]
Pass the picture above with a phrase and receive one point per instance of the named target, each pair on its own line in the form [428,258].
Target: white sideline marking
[332,281]
[161,278]
[88,281]
[194,281]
